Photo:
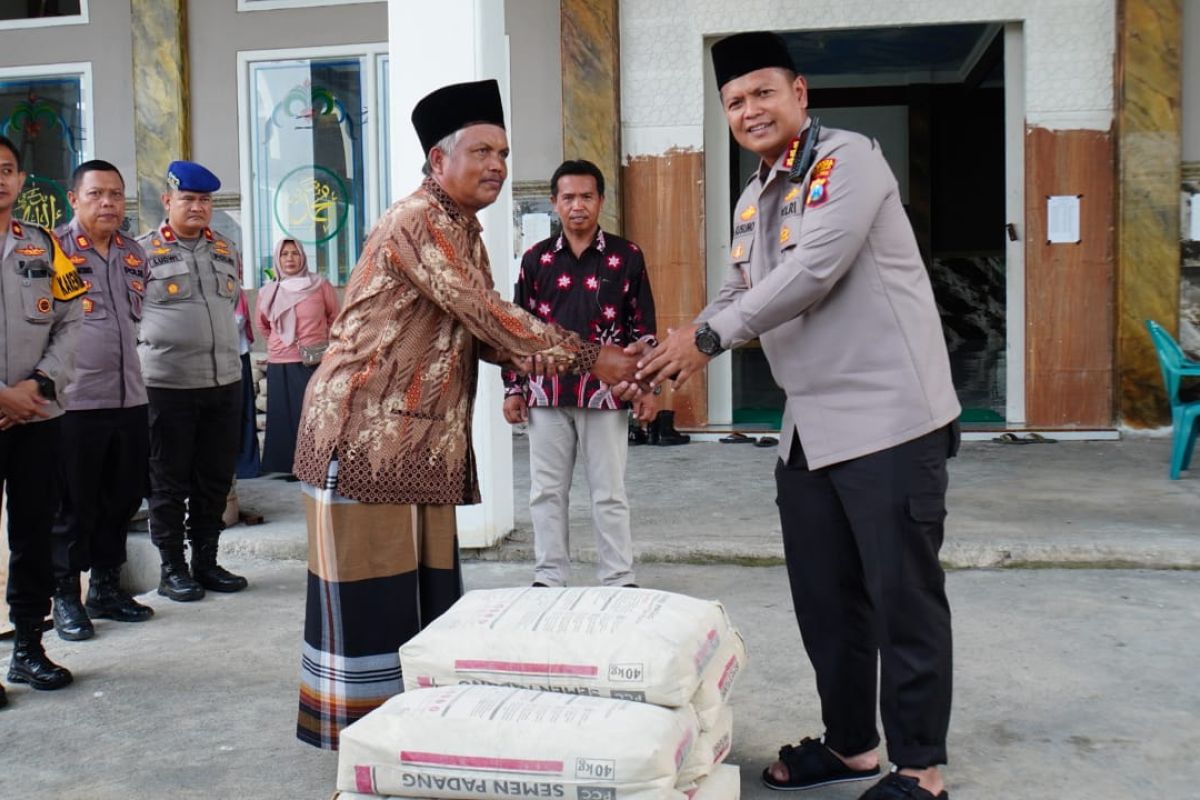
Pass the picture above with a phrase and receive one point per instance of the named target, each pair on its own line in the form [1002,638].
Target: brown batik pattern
[394,394]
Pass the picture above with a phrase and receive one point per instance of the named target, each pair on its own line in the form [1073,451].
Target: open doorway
[934,98]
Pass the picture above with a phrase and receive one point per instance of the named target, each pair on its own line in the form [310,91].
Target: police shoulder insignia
[818,192]
[792,149]
[824,167]
[133,260]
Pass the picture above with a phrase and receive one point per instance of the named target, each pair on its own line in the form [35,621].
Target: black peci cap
[742,53]
[446,110]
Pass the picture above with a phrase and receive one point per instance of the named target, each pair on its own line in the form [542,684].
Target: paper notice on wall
[1062,219]
[534,228]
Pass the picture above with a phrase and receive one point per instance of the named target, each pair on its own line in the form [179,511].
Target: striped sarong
[376,574]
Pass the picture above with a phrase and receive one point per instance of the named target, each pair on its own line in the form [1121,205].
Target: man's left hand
[675,359]
[645,407]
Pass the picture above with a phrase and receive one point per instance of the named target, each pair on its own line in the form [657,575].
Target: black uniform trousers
[27,456]
[861,540]
[102,465]
[194,439]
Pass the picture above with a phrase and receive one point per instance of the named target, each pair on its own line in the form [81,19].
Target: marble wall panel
[1148,165]
[160,97]
[591,103]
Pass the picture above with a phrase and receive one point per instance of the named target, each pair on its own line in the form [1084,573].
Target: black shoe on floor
[811,764]
[900,787]
[178,584]
[540,585]
[29,663]
[216,578]
[107,600]
[3,696]
[70,620]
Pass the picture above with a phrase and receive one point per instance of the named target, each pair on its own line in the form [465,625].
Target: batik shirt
[604,296]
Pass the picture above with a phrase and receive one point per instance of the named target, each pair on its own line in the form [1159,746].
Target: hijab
[280,297]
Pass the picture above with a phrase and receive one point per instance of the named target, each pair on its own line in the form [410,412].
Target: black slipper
[737,438]
[811,764]
[1011,438]
[900,787]
[767,441]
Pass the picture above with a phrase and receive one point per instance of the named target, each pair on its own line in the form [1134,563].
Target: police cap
[188,176]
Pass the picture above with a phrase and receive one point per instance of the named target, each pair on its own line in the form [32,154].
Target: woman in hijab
[294,312]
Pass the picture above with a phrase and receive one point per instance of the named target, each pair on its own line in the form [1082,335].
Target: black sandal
[811,764]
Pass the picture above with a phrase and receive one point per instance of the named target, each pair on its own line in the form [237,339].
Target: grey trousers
[601,439]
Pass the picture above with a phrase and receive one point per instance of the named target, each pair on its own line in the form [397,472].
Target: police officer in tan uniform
[105,440]
[825,271]
[40,319]
[192,366]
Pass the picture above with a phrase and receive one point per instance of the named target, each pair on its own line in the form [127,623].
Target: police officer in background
[192,369]
[104,440]
[824,269]
[38,291]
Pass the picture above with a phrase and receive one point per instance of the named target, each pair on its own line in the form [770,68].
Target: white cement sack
[725,783]
[718,678]
[711,747]
[500,743]
[631,644]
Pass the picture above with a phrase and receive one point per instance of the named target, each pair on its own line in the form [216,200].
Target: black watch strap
[708,341]
[45,386]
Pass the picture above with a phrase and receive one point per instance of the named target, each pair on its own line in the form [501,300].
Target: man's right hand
[615,365]
[515,409]
[23,402]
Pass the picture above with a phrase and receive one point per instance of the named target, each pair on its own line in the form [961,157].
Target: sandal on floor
[767,441]
[1037,438]
[811,764]
[900,787]
[1011,438]
[737,438]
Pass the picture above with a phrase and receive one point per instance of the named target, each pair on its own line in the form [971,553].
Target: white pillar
[431,45]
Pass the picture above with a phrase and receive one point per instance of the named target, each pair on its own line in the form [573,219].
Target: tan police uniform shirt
[39,291]
[188,338]
[826,272]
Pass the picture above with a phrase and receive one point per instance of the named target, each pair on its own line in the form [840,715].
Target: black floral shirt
[604,296]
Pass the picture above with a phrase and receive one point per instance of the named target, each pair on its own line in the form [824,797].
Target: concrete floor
[1070,684]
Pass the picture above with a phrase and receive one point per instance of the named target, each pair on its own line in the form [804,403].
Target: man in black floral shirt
[595,284]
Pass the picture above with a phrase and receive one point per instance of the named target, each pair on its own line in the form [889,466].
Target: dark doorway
[933,97]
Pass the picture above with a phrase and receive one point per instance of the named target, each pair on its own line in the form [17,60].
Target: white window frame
[275,5]
[81,18]
[82,69]
[372,51]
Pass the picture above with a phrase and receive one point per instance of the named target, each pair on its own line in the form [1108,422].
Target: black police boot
[70,620]
[3,697]
[662,430]
[637,434]
[107,600]
[29,663]
[211,575]
[176,582]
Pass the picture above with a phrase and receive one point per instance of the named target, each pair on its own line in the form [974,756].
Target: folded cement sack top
[630,644]
[494,742]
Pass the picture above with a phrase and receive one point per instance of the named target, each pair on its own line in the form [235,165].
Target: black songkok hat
[445,110]
[742,53]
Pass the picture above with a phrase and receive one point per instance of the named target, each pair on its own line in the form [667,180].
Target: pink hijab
[281,296]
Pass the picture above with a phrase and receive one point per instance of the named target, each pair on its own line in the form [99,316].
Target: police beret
[446,110]
[742,53]
[188,176]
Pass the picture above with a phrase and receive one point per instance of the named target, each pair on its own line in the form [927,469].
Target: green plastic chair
[1185,417]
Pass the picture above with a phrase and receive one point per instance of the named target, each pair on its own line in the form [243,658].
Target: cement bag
[725,783]
[718,678]
[711,747]
[631,644]
[501,743]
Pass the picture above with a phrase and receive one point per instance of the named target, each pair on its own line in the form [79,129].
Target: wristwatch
[707,341]
[45,385]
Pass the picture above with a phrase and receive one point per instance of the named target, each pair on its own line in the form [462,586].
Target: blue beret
[188,176]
